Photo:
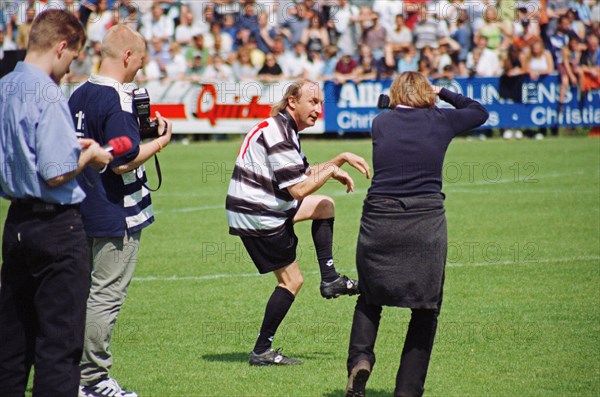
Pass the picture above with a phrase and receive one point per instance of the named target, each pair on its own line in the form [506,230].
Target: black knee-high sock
[279,303]
[322,234]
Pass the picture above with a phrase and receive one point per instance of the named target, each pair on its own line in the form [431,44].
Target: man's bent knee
[325,208]
[293,285]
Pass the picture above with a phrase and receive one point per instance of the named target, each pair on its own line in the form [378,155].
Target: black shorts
[273,252]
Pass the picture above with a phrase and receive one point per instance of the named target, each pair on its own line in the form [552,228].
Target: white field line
[458,264]
[448,186]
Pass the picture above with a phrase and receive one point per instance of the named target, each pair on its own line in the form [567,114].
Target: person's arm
[361,75]
[149,149]
[324,37]
[549,62]
[468,114]
[91,155]
[567,65]
[264,33]
[320,173]
[304,37]
[389,60]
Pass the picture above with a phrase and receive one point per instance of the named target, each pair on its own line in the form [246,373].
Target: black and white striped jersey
[270,159]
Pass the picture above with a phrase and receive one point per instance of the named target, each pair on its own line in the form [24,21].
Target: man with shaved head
[118,205]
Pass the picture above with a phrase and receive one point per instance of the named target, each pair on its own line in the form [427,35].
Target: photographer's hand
[166,130]
[150,148]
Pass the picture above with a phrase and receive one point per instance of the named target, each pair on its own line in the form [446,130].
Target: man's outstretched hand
[357,162]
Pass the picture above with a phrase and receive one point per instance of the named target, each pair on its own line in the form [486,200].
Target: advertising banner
[512,103]
[220,107]
[230,107]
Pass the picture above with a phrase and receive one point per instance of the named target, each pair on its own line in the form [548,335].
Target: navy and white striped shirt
[270,160]
[102,109]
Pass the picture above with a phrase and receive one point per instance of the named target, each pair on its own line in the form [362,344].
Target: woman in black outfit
[402,244]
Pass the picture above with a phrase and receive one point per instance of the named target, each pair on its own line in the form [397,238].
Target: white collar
[404,107]
[110,82]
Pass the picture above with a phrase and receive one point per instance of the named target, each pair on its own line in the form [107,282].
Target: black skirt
[401,251]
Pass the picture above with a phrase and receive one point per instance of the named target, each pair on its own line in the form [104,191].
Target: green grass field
[521,313]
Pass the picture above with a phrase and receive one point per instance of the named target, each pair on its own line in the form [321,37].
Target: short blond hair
[121,38]
[293,90]
[412,89]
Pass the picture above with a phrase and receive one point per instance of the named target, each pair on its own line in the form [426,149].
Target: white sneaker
[539,136]
[105,388]
[508,134]
[82,392]
[518,134]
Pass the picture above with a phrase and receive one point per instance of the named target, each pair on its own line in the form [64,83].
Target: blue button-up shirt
[37,138]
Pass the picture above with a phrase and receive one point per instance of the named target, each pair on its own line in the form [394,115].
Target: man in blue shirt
[118,205]
[45,270]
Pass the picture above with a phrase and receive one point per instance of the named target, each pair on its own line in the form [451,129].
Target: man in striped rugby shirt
[272,188]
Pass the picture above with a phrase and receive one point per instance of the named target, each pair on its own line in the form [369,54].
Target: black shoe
[340,286]
[272,357]
[357,381]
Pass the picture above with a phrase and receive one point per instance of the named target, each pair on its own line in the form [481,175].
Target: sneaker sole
[268,364]
[360,382]
[338,295]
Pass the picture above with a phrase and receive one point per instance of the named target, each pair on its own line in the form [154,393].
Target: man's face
[564,25]
[63,62]
[299,49]
[309,106]
[136,62]
[157,44]
[30,14]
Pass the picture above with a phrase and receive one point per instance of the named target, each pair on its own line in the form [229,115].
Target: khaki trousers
[113,261]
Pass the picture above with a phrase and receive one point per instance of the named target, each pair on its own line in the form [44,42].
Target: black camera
[141,101]
[383,102]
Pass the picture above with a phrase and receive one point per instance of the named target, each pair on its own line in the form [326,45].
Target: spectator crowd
[338,40]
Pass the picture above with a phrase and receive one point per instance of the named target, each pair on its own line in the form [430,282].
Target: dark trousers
[45,285]
[416,353]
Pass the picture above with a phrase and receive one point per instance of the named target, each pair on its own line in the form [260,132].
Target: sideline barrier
[354,106]
[228,107]
[218,107]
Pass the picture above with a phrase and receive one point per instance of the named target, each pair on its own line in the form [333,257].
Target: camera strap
[158,173]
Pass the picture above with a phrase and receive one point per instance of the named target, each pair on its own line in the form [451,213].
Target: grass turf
[521,313]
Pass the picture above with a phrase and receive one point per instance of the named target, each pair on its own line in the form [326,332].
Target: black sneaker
[357,381]
[340,286]
[272,357]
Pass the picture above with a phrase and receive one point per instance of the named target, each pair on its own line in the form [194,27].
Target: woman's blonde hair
[412,89]
[293,90]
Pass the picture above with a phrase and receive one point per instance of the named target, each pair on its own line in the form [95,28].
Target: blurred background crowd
[339,40]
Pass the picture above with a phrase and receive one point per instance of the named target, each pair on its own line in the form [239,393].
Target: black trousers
[414,362]
[45,285]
